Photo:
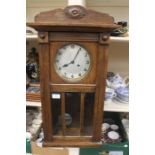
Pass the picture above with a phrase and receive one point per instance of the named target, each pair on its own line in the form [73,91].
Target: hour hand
[65,65]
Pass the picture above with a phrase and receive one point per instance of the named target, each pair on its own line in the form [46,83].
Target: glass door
[72,114]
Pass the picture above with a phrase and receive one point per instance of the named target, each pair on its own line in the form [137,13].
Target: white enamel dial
[72,62]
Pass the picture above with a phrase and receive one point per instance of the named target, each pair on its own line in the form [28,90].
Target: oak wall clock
[73,59]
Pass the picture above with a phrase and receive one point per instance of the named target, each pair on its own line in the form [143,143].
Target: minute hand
[76,55]
[72,62]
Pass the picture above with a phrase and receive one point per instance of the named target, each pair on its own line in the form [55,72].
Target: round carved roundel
[75,11]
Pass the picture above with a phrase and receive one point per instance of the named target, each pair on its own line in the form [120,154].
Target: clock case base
[70,143]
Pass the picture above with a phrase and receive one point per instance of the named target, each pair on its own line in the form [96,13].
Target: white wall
[34,7]
[119,58]
[119,9]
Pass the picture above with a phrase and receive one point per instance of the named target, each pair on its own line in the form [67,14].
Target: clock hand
[66,65]
[76,55]
[72,62]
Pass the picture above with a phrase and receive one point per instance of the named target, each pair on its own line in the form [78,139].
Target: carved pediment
[73,16]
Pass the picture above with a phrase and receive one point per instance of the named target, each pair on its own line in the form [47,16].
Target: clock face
[72,62]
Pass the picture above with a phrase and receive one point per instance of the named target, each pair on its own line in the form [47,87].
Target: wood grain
[60,27]
[72,87]
[68,36]
[58,20]
[63,113]
[89,78]
[91,18]
[100,91]
[45,90]
[82,112]
[72,143]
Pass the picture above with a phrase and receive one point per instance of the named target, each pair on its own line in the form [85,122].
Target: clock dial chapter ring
[72,62]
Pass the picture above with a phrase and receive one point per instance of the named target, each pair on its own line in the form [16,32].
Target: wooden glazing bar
[82,112]
[63,113]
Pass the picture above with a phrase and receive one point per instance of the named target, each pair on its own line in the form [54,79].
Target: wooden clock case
[90,29]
